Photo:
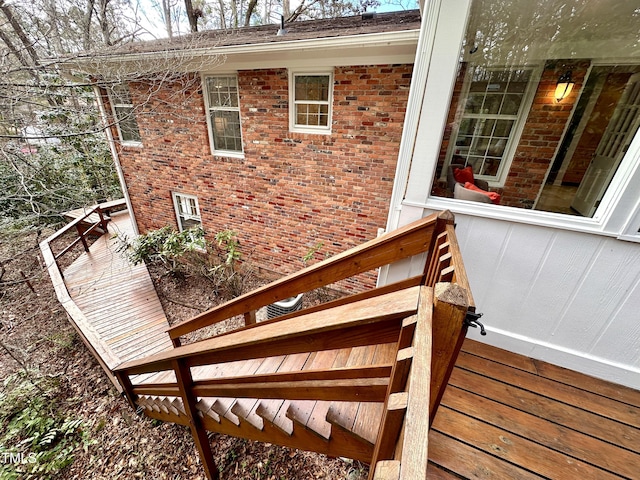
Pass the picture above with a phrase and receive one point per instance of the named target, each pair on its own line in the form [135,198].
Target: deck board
[118,299]
[501,418]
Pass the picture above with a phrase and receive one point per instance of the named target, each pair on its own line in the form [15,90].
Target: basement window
[223,105]
[310,99]
[187,211]
[124,114]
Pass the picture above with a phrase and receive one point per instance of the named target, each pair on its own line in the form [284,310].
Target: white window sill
[312,131]
[131,144]
[520,215]
[226,153]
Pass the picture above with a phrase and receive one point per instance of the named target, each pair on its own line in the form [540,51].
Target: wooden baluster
[200,437]
[250,317]
[81,235]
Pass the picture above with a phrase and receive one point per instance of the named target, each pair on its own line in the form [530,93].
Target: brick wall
[541,135]
[291,190]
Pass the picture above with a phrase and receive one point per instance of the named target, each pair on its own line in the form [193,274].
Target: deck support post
[199,433]
[127,388]
[450,306]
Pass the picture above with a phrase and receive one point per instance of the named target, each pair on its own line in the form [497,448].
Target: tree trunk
[104,22]
[86,27]
[20,33]
[191,15]
[166,12]
[250,8]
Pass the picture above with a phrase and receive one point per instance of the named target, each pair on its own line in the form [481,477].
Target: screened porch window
[537,150]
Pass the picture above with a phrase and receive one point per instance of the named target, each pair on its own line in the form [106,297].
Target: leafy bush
[164,245]
[189,253]
[37,442]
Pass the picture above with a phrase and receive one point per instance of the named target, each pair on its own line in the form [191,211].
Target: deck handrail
[413,239]
[85,330]
[100,209]
[288,336]
[415,314]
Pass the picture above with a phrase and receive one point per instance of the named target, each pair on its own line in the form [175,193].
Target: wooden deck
[117,299]
[503,415]
[508,416]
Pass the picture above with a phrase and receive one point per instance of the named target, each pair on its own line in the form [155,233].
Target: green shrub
[36,441]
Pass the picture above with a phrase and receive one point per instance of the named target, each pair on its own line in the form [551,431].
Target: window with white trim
[310,101]
[124,114]
[223,105]
[487,130]
[187,211]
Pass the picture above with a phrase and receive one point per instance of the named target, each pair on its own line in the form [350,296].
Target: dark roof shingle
[306,30]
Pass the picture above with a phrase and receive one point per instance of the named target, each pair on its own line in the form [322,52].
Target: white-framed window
[187,211]
[491,118]
[603,95]
[124,114]
[223,114]
[310,101]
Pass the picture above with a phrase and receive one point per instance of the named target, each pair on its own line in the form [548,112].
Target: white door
[615,141]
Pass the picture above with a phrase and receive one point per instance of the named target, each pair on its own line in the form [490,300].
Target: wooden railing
[424,316]
[414,239]
[82,231]
[83,327]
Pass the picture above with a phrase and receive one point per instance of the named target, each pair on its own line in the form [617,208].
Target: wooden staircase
[359,377]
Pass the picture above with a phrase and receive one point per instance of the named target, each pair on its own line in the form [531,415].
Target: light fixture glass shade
[564,86]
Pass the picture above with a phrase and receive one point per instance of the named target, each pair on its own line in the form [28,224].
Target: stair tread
[279,418]
[300,410]
[245,406]
[267,409]
[223,406]
[344,413]
[367,422]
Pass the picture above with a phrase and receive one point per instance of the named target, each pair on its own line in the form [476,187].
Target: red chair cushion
[493,196]
[463,175]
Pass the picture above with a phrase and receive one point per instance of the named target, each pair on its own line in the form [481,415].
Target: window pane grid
[124,113]
[490,112]
[311,100]
[188,212]
[224,113]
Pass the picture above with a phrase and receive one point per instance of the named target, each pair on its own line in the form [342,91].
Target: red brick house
[314,136]
[288,138]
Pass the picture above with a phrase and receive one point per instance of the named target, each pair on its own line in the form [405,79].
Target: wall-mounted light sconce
[564,86]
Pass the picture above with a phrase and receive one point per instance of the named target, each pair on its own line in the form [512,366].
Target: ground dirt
[35,334]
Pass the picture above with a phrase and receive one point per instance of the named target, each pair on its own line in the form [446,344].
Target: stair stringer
[340,443]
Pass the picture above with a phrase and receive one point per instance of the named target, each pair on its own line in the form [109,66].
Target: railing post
[103,221]
[450,305]
[200,437]
[81,235]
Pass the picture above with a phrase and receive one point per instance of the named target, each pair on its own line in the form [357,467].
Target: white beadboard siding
[565,297]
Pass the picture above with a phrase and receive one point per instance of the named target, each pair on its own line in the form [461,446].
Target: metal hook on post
[471,320]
